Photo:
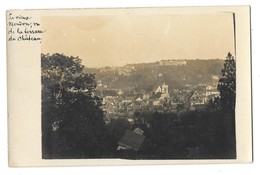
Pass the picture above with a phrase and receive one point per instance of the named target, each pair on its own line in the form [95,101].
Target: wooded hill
[145,76]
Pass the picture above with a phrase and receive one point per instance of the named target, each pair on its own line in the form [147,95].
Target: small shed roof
[131,140]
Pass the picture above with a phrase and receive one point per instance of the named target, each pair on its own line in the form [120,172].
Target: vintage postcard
[129,86]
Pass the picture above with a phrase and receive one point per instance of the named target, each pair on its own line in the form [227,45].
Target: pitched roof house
[131,140]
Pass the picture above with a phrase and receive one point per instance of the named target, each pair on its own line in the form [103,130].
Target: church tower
[165,89]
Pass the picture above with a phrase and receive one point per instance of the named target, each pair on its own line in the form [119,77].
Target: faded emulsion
[138,106]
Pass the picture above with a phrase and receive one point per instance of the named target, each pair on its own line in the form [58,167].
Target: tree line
[73,125]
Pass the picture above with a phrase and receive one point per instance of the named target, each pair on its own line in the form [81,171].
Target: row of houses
[157,100]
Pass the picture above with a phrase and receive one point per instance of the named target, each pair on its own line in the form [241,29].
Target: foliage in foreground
[73,127]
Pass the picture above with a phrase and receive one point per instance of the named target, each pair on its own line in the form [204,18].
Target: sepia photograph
[139,86]
[129,86]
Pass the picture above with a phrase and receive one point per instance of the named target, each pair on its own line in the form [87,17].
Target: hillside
[145,76]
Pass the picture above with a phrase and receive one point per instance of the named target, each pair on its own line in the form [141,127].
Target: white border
[176,169]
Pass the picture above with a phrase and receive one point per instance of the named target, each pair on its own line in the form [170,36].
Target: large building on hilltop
[172,62]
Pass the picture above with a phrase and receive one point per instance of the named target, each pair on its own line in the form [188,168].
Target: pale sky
[118,40]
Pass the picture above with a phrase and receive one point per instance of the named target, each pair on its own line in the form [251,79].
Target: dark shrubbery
[73,126]
[72,118]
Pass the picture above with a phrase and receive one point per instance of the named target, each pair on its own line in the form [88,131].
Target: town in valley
[123,99]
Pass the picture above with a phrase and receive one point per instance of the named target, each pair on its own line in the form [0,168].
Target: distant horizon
[158,61]
[127,39]
[187,59]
